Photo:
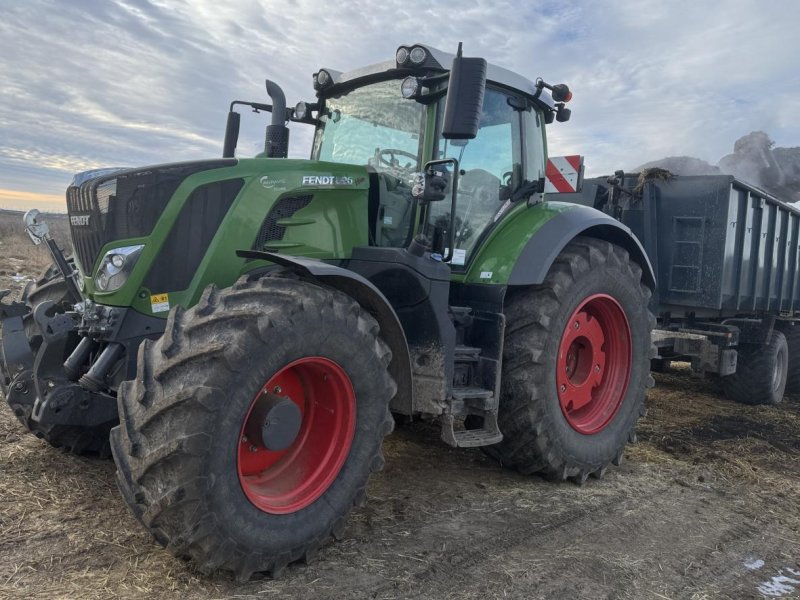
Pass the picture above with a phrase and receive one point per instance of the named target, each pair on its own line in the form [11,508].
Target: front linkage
[60,355]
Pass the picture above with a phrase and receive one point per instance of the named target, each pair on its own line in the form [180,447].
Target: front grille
[124,205]
[283,209]
[191,235]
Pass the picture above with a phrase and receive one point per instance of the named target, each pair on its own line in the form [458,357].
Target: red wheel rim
[285,481]
[594,361]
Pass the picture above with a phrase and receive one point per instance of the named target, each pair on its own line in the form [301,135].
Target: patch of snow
[754,564]
[780,585]
[19,277]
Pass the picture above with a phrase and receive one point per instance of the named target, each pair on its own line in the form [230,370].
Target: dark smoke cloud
[755,160]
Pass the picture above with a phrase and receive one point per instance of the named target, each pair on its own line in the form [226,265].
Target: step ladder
[470,401]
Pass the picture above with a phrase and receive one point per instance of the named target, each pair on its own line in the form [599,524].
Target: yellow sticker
[159,303]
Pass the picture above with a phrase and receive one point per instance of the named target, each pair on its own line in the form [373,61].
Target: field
[705,505]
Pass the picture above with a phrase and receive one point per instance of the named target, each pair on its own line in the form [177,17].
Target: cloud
[131,82]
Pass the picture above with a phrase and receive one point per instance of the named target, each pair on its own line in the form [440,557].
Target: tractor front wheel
[254,423]
[576,364]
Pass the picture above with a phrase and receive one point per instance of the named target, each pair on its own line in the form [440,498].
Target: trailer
[725,254]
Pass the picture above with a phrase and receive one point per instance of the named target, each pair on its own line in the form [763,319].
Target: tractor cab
[390,117]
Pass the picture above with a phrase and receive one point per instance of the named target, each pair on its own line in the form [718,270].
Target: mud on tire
[538,437]
[181,421]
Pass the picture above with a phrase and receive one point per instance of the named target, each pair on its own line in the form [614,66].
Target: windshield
[372,126]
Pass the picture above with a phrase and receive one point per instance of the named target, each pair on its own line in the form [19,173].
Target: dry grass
[18,254]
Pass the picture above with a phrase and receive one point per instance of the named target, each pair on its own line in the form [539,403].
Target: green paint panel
[493,262]
[328,227]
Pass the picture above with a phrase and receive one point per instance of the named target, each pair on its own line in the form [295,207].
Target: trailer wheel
[792,334]
[83,441]
[254,423]
[576,364]
[761,372]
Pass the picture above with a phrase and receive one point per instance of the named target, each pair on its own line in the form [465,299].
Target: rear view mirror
[231,134]
[464,104]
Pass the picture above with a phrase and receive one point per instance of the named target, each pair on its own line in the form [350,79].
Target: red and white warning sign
[563,174]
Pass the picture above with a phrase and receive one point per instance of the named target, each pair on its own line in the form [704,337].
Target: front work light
[409,87]
[418,55]
[116,267]
[401,56]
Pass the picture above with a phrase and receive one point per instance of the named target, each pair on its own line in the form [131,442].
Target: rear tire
[543,430]
[181,444]
[761,372]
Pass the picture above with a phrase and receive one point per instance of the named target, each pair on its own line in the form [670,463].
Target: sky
[87,84]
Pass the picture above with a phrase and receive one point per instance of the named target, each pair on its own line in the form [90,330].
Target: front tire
[188,466]
[576,364]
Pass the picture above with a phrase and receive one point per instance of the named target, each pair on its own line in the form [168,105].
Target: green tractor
[246,328]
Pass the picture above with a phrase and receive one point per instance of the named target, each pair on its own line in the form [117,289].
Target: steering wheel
[388,158]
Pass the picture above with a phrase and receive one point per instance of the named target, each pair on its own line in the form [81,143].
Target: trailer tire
[595,285]
[761,372]
[183,445]
[82,441]
[792,334]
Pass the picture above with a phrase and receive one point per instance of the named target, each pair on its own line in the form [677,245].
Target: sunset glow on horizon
[19,200]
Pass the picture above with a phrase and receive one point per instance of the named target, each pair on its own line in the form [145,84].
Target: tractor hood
[174,228]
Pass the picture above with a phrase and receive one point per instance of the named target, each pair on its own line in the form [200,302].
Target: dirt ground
[706,505]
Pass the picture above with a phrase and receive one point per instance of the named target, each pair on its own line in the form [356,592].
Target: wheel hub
[274,422]
[593,365]
[296,435]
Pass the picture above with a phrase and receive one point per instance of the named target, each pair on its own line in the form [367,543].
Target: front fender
[369,297]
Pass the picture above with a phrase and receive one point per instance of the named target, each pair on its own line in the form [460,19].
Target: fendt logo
[79,220]
[326,180]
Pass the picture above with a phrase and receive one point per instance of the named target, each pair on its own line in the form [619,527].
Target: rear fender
[544,246]
[373,301]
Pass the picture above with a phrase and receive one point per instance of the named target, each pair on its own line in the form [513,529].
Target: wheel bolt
[597,368]
[253,448]
[563,388]
[277,389]
[244,439]
[576,325]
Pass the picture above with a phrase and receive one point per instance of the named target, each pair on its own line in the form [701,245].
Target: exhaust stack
[276,143]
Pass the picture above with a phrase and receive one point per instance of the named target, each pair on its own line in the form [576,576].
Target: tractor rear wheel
[576,364]
[761,372]
[254,423]
[90,441]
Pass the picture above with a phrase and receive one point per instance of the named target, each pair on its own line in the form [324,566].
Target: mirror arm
[451,233]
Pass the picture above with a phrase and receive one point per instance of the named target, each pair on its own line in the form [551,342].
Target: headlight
[301,110]
[409,87]
[401,56]
[115,267]
[418,55]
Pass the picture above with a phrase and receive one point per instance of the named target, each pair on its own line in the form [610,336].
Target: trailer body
[726,257]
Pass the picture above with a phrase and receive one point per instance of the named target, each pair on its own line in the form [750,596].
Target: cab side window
[491,165]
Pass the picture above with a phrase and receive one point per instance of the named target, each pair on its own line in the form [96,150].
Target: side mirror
[464,104]
[231,134]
